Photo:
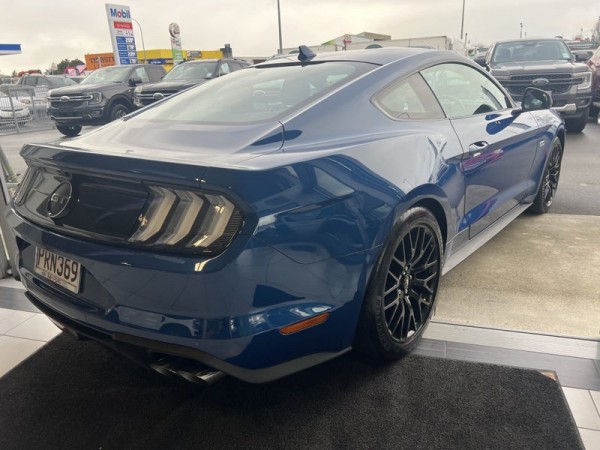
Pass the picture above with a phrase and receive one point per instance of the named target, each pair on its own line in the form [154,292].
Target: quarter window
[409,99]
[464,91]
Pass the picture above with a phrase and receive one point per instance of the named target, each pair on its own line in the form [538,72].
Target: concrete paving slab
[540,274]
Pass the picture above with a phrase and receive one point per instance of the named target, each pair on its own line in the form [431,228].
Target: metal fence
[8,248]
[23,109]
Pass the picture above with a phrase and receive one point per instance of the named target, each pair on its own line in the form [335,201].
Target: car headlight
[138,90]
[96,97]
[586,81]
[184,219]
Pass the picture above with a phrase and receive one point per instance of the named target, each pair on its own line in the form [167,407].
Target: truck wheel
[118,111]
[594,110]
[577,125]
[69,130]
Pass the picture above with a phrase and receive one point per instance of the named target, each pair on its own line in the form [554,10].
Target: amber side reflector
[299,326]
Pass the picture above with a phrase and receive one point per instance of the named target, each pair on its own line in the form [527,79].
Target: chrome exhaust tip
[168,366]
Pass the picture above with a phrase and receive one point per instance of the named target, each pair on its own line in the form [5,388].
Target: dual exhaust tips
[170,366]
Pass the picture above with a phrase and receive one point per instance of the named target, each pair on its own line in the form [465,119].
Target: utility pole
[521,33]
[280,51]
[462,22]
[143,45]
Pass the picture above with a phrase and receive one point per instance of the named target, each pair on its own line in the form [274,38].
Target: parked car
[12,110]
[547,64]
[103,96]
[8,80]
[594,65]
[32,90]
[230,231]
[184,76]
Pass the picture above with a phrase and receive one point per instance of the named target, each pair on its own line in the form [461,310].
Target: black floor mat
[80,395]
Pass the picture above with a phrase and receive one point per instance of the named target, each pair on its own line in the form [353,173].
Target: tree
[61,66]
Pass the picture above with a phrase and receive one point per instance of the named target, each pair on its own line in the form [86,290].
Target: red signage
[123,25]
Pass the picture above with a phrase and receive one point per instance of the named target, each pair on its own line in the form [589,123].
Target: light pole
[143,45]
[462,21]
[521,33]
[280,51]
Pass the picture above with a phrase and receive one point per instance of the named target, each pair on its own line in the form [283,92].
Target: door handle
[477,148]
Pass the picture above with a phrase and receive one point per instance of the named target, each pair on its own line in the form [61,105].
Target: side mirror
[480,60]
[134,81]
[581,56]
[535,99]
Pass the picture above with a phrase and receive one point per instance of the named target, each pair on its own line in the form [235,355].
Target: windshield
[192,71]
[257,93]
[113,74]
[60,81]
[534,50]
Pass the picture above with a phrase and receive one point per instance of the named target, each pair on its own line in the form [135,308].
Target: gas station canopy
[10,49]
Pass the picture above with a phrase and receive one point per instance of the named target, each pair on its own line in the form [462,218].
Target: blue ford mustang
[278,217]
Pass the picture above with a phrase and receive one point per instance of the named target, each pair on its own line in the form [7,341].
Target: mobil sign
[121,34]
[119,12]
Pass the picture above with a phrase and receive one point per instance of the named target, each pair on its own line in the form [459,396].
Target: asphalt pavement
[541,274]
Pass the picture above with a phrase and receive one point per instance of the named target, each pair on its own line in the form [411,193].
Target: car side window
[410,98]
[464,91]
[224,68]
[29,81]
[140,73]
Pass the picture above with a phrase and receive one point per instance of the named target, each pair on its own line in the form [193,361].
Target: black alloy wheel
[578,124]
[69,130]
[403,288]
[118,111]
[410,283]
[547,191]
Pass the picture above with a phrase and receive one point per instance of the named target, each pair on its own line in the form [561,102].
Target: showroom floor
[23,331]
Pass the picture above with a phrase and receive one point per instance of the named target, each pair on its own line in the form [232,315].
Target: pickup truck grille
[68,101]
[558,83]
[148,97]
[69,98]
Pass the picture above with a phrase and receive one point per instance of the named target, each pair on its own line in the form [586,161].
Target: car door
[499,147]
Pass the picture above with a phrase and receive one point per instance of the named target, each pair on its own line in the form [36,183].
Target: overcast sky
[50,31]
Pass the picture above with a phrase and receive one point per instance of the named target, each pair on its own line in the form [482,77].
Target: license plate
[58,269]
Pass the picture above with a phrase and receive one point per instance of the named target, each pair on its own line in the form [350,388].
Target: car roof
[530,39]
[380,56]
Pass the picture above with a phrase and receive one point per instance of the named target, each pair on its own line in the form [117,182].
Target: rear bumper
[147,351]
[228,318]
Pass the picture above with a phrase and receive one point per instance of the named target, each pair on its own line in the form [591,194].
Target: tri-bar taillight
[184,219]
[136,214]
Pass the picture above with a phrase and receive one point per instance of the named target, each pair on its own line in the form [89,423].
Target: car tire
[403,286]
[594,110]
[69,130]
[547,190]
[577,125]
[117,111]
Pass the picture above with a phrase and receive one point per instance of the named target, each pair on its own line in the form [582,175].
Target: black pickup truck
[546,64]
[105,95]
[184,76]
